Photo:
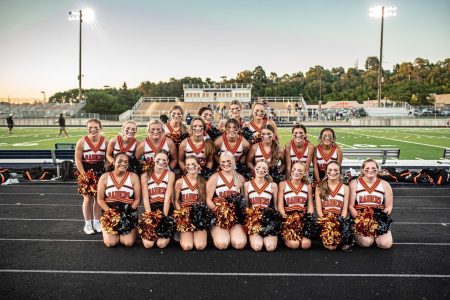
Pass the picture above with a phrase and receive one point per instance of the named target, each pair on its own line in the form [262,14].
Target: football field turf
[414,143]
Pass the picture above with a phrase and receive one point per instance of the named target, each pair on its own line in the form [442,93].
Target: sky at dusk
[135,41]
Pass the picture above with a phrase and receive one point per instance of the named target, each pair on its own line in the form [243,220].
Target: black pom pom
[271,222]
[245,171]
[247,134]
[201,216]
[239,203]
[384,221]
[276,175]
[206,173]
[166,227]
[346,229]
[213,133]
[311,229]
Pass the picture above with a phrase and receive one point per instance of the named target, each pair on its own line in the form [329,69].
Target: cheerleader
[90,154]
[157,188]
[295,195]
[232,141]
[268,150]
[260,121]
[211,132]
[235,113]
[298,149]
[175,129]
[123,143]
[261,192]
[120,190]
[197,146]
[331,195]
[226,183]
[191,189]
[325,152]
[156,141]
[369,191]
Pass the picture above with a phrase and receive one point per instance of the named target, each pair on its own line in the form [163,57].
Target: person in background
[188,119]
[62,125]
[10,123]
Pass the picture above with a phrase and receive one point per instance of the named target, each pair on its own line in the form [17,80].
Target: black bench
[447,153]
[65,146]
[364,153]
[26,158]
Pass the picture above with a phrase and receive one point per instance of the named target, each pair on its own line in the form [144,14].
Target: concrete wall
[399,122]
[54,122]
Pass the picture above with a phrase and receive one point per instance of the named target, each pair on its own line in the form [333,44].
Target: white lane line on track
[226,274]
[80,220]
[98,241]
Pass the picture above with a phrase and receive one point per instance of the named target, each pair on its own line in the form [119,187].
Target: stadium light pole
[381,12]
[74,16]
[43,92]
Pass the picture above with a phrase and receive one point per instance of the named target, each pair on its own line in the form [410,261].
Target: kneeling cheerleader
[118,195]
[263,222]
[332,206]
[156,224]
[296,206]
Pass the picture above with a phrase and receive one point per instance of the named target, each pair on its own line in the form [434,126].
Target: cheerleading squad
[235,181]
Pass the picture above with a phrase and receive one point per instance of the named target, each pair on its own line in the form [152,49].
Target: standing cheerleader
[90,154]
[325,152]
[235,113]
[298,149]
[232,141]
[175,129]
[157,189]
[211,132]
[197,146]
[124,143]
[332,199]
[268,150]
[371,192]
[295,197]
[224,184]
[260,192]
[260,121]
[191,188]
[118,195]
[156,141]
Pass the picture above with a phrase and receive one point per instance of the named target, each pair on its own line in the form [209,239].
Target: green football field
[414,143]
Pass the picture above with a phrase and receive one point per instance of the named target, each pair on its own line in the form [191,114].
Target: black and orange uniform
[324,158]
[372,197]
[157,187]
[295,197]
[335,201]
[94,155]
[189,193]
[260,196]
[129,150]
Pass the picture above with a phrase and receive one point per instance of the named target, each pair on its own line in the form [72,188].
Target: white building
[217,92]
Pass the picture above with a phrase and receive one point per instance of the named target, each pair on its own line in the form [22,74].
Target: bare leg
[305,243]
[221,237]
[270,243]
[110,240]
[384,241]
[238,237]
[364,241]
[200,239]
[128,239]
[256,242]
[147,243]
[292,244]
[162,243]
[187,240]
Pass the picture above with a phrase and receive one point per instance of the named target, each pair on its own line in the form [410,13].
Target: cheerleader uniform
[372,197]
[189,193]
[94,155]
[335,201]
[120,196]
[157,190]
[260,196]
[175,135]
[323,159]
[191,149]
[224,188]
[261,154]
[295,198]
[150,150]
[237,150]
[255,129]
[299,155]
[129,150]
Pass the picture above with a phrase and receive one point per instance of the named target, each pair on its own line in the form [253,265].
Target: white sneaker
[88,229]
[97,226]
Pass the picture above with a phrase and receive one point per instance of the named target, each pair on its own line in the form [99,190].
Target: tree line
[412,82]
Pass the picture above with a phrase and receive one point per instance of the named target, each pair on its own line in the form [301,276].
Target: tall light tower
[74,16]
[381,12]
[43,92]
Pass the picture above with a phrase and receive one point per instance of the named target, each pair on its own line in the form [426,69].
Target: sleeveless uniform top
[260,196]
[129,150]
[119,191]
[299,155]
[168,129]
[254,128]
[150,150]
[261,154]
[191,149]
[323,159]
[94,154]
[157,187]
[369,197]
[225,188]
[295,198]
[237,150]
[335,200]
[189,193]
